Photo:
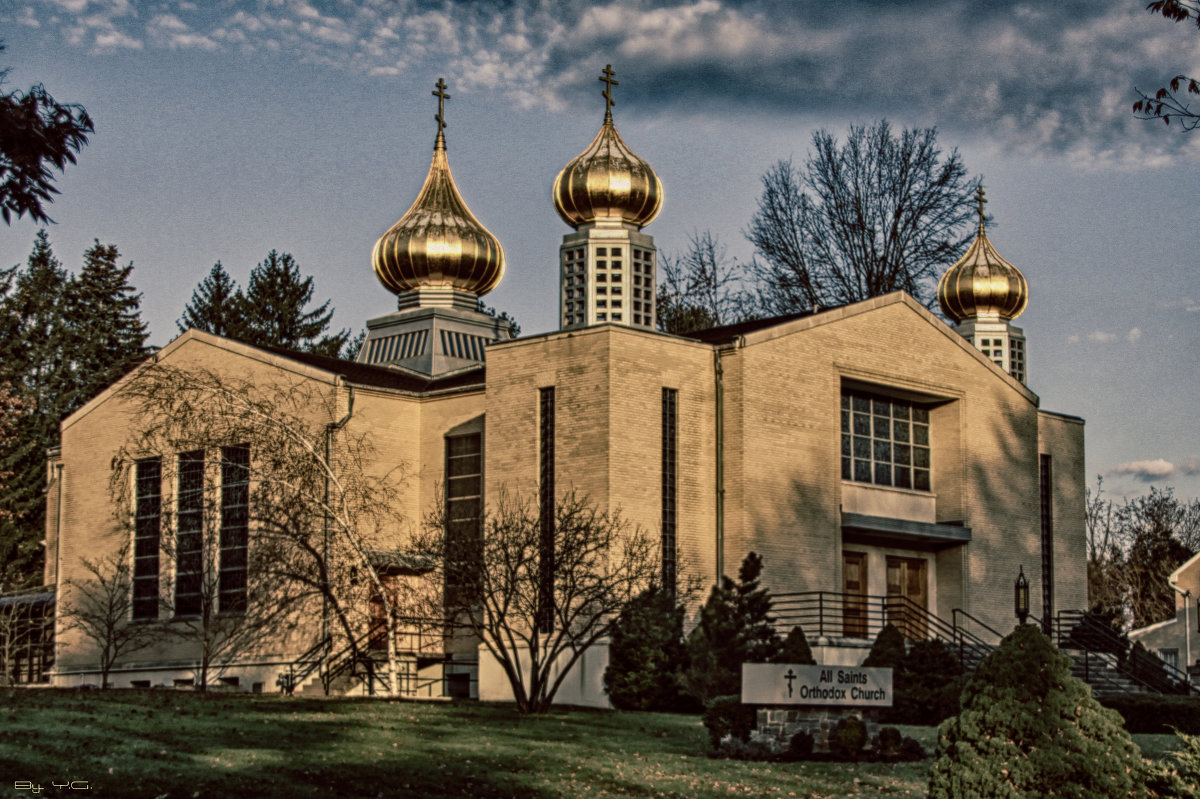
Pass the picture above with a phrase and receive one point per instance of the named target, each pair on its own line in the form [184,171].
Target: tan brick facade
[758,453]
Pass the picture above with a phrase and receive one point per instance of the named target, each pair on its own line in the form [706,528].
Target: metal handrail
[1076,630]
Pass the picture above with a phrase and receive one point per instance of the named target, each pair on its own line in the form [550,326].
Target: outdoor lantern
[1022,596]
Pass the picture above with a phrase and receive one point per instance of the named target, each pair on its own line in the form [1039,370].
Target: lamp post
[1021,598]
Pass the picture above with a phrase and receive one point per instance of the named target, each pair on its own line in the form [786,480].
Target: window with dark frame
[235,529]
[464,510]
[189,537]
[669,467]
[885,441]
[1047,510]
[147,531]
[545,607]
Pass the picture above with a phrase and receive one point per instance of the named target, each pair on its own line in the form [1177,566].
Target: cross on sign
[791,675]
[442,98]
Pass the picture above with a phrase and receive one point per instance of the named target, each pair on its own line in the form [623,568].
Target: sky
[227,129]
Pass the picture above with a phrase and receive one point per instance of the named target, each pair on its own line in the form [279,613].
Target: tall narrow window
[546,506]
[147,529]
[189,541]
[669,463]
[235,528]
[464,507]
[1044,484]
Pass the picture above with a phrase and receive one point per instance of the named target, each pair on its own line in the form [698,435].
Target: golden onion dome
[439,242]
[982,283]
[607,180]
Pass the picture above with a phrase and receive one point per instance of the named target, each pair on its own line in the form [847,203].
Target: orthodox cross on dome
[442,98]
[607,80]
[979,201]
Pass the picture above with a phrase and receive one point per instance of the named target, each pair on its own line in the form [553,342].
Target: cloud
[1036,78]
[1158,469]
[1104,337]
[1146,471]
[1183,303]
[1133,335]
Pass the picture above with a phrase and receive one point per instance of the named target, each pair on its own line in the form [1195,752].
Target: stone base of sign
[776,725]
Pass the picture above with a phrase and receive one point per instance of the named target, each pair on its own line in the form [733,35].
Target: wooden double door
[907,598]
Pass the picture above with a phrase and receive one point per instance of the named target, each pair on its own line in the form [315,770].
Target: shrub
[1154,713]
[1026,724]
[888,650]
[849,736]
[646,655]
[888,740]
[927,686]
[735,628]
[800,746]
[795,649]
[726,715]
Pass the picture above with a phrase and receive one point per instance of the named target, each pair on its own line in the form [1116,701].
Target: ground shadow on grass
[168,744]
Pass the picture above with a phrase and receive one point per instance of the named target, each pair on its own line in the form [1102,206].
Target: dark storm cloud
[1032,76]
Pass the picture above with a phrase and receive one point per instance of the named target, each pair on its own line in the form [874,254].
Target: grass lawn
[161,744]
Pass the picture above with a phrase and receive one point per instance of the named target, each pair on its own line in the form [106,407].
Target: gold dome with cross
[439,243]
[982,284]
[607,181]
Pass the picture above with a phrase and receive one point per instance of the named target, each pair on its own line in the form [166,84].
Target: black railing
[1108,649]
[1104,658]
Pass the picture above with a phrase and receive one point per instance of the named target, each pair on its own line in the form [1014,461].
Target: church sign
[790,684]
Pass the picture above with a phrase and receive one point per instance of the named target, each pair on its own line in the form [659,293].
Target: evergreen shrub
[1155,713]
[726,715]
[928,685]
[888,740]
[795,649]
[646,655]
[849,737]
[735,628]
[1027,725]
[800,747]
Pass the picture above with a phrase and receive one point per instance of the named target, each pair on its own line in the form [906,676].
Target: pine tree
[214,304]
[34,362]
[646,654]
[272,311]
[104,313]
[735,628]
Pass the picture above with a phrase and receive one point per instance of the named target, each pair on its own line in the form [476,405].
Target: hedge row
[1156,713]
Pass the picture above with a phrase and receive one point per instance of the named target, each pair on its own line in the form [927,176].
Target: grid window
[189,541]
[670,398]
[146,537]
[885,441]
[546,499]
[464,509]
[235,528]
[1017,348]
[1047,511]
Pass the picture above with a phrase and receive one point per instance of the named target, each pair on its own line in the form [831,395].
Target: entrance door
[908,596]
[854,594]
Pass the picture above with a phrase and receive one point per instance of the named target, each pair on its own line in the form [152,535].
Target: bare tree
[1132,549]
[700,288]
[1170,101]
[99,607]
[535,598]
[315,514]
[875,215]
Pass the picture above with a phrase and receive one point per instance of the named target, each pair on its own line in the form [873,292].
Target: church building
[885,464]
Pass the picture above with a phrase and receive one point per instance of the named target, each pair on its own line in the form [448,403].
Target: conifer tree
[214,304]
[63,340]
[272,310]
[1028,728]
[735,628]
[104,314]
[34,362]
